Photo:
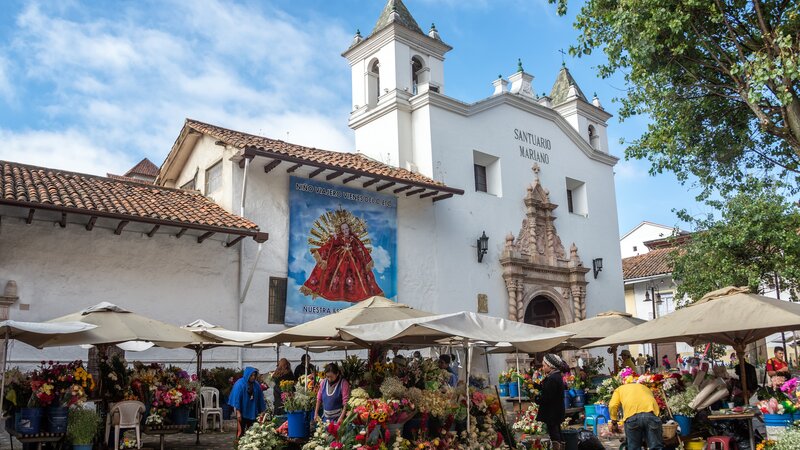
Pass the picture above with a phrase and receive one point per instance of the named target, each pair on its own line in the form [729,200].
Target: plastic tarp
[229,337]
[599,326]
[462,327]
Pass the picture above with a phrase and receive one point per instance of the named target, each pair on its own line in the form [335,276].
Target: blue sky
[96,86]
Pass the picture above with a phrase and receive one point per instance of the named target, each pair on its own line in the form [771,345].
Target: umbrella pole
[306,364]
[742,373]
[519,388]
[466,384]
[5,362]
[199,350]
[616,362]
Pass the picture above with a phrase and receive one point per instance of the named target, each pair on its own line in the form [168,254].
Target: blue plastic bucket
[180,416]
[795,416]
[30,420]
[685,423]
[513,389]
[503,389]
[602,410]
[777,420]
[567,401]
[580,399]
[57,419]
[298,427]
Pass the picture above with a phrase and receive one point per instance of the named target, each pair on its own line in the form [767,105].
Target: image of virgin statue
[343,270]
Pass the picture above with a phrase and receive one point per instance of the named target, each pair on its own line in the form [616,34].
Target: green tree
[754,237]
[719,79]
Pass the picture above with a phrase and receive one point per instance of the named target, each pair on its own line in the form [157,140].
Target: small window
[577,202]
[214,178]
[635,248]
[594,139]
[480,178]
[416,66]
[570,206]
[487,173]
[277,300]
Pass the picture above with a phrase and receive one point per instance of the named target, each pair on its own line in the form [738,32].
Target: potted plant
[82,426]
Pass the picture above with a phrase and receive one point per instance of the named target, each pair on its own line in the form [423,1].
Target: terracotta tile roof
[144,167]
[654,262]
[30,186]
[345,161]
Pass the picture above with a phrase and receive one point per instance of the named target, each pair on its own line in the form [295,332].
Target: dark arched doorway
[542,312]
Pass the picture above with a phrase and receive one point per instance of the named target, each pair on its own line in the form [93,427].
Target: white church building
[213,237]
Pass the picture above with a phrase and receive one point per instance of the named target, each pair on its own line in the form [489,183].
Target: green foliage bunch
[82,425]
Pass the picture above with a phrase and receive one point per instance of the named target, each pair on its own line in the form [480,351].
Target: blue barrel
[579,399]
[513,389]
[685,423]
[777,420]
[57,419]
[503,389]
[567,400]
[30,420]
[298,427]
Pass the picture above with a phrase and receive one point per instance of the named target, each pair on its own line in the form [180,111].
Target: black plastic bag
[588,441]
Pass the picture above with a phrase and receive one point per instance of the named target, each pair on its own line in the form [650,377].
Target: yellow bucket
[695,444]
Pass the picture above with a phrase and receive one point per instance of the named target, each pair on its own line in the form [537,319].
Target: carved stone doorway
[537,270]
[542,312]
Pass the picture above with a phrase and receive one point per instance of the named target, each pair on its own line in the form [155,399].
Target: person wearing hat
[626,360]
[551,398]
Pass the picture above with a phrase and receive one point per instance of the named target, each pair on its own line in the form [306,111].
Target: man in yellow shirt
[640,415]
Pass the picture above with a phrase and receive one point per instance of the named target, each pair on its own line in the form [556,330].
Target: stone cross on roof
[396,11]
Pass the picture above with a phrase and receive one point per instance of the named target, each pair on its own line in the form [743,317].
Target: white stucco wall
[642,233]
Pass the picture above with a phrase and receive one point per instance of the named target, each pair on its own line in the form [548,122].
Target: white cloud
[380,259]
[68,150]
[6,89]
[124,81]
[630,170]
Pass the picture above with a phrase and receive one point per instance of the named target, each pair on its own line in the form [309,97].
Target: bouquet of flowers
[261,436]
[18,388]
[221,378]
[116,378]
[679,403]
[353,369]
[301,398]
[527,423]
[504,377]
[395,395]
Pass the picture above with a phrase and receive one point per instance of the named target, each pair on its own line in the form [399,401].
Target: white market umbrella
[115,325]
[731,316]
[467,328]
[29,332]
[599,327]
[372,310]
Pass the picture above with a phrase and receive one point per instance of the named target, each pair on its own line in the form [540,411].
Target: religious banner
[342,248]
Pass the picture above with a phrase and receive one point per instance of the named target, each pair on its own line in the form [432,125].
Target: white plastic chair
[125,415]
[210,408]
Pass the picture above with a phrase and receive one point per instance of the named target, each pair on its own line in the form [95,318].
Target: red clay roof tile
[654,262]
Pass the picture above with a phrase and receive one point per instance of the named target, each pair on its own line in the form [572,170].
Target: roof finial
[519,65]
[433,26]
[563,54]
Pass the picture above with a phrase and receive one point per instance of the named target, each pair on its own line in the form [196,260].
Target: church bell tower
[396,62]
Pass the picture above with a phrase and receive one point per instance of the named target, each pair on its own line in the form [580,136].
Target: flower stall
[41,399]
[400,405]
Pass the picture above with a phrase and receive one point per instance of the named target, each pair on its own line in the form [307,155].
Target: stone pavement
[180,441]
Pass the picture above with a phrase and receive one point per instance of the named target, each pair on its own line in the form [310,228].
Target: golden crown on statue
[330,223]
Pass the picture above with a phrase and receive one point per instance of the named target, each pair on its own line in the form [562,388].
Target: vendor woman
[551,398]
[334,391]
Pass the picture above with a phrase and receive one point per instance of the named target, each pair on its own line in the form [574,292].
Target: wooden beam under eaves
[241,161]
[90,225]
[385,186]
[351,178]
[272,165]
[414,192]
[316,172]
[63,222]
[371,182]
[404,188]
[234,242]
[30,216]
[180,233]
[333,175]
[153,230]
[442,197]
[204,236]
[429,194]
[120,226]
[293,168]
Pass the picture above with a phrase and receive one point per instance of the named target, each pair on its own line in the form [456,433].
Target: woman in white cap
[551,399]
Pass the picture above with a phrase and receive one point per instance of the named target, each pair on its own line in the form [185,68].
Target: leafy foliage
[755,238]
[719,79]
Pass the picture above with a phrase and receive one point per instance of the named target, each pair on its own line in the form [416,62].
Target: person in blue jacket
[247,400]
